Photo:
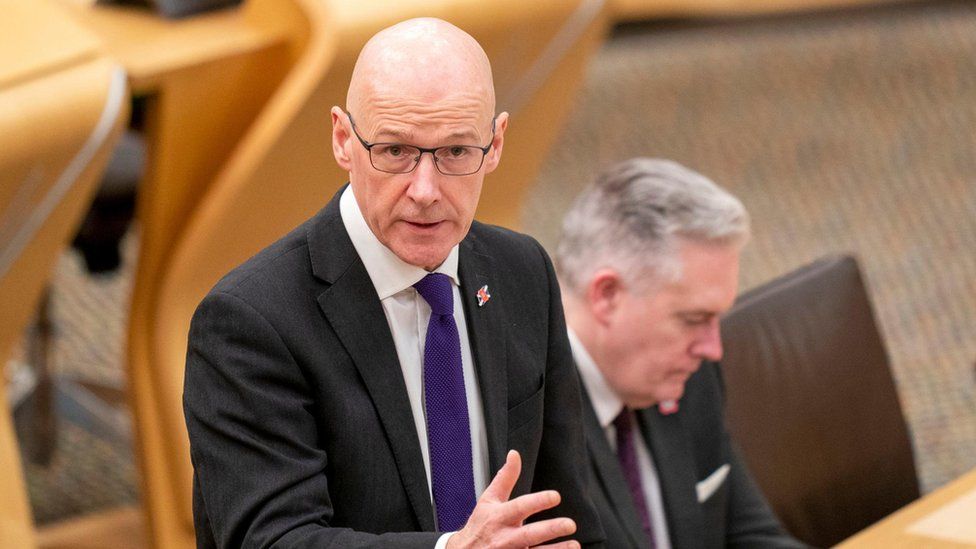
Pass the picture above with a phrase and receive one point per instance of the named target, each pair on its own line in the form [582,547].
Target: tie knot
[436,290]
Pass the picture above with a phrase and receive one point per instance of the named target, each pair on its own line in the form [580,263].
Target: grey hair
[634,216]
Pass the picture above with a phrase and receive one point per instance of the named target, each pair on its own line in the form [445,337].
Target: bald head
[421,61]
[418,136]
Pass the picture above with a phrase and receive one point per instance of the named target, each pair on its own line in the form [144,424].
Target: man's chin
[423,250]
[425,257]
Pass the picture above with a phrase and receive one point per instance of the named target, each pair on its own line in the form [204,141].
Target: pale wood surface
[151,47]
[634,10]
[206,77]
[36,39]
[54,88]
[893,531]
[16,522]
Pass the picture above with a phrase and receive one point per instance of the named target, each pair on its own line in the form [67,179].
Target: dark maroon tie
[627,455]
[448,431]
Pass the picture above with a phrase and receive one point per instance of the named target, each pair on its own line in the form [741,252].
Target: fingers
[571,544]
[540,532]
[523,507]
[501,486]
[499,520]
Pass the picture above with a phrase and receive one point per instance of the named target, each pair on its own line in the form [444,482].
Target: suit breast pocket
[525,411]
[525,422]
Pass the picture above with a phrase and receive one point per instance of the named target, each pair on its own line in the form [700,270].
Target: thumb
[501,486]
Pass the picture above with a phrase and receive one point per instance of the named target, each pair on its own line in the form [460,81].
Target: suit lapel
[486,332]
[356,315]
[675,465]
[609,475]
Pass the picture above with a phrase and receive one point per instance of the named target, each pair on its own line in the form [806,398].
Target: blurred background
[844,126]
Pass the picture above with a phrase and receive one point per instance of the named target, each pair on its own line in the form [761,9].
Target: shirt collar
[389,273]
[606,403]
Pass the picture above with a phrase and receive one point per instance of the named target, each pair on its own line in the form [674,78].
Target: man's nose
[708,345]
[425,181]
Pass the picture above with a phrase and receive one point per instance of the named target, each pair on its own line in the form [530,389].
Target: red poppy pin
[483,295]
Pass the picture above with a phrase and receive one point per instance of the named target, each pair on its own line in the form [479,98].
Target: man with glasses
[363,381]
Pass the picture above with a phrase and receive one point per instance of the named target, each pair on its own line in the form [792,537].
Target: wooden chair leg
[16,523]
[44,422]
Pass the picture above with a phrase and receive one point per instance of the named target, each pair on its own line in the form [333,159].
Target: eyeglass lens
[450,160]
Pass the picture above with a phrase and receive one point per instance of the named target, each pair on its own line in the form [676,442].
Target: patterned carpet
[847,131]
[92,467]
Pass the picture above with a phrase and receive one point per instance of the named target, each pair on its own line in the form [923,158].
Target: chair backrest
[812,402]
[283,171]
[62,108]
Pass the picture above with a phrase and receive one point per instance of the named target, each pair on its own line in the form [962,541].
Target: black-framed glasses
[403,158]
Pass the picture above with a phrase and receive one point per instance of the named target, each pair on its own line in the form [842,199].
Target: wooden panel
[56,133]
[45,125]
[36,39]
[635,10]
[152,47]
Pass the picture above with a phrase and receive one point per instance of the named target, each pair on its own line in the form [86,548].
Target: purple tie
[448,432]
[627,454]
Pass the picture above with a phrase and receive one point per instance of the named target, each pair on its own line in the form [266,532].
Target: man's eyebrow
[463,134]
[402,136]
[394,133]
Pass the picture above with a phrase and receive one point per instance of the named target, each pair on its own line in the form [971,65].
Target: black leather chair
[812,403]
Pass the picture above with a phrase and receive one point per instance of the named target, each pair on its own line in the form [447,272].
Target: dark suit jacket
[687,447]
[300,427]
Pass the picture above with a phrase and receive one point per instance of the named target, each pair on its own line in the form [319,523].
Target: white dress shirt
[608,406]
[408,314]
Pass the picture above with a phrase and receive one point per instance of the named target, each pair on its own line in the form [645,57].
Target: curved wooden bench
[62,108]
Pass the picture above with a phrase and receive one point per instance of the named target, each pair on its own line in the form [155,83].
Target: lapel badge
[668,407]
[483,295]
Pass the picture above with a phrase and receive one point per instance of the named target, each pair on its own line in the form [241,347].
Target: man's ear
[495,154]
[604,293]
[341,139]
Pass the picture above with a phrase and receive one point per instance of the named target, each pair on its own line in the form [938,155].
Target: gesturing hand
[497,522]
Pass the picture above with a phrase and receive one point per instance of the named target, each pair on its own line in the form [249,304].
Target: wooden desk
[637,10]
[37,40]
[60,115]
[205,79]
[904,529]
[152,48]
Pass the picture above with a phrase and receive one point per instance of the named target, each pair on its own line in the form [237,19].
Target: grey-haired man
[648,262]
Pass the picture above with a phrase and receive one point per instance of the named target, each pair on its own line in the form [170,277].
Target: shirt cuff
[442,541]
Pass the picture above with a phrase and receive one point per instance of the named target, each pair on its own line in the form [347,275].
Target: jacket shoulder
[275,257]
[283,264]
[506,244]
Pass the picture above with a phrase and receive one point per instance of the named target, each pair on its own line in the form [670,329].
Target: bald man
[392,373]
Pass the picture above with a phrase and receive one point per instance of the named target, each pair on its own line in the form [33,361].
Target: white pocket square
[708,486]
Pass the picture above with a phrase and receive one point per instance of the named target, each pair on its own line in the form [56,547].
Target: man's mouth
[424,226]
